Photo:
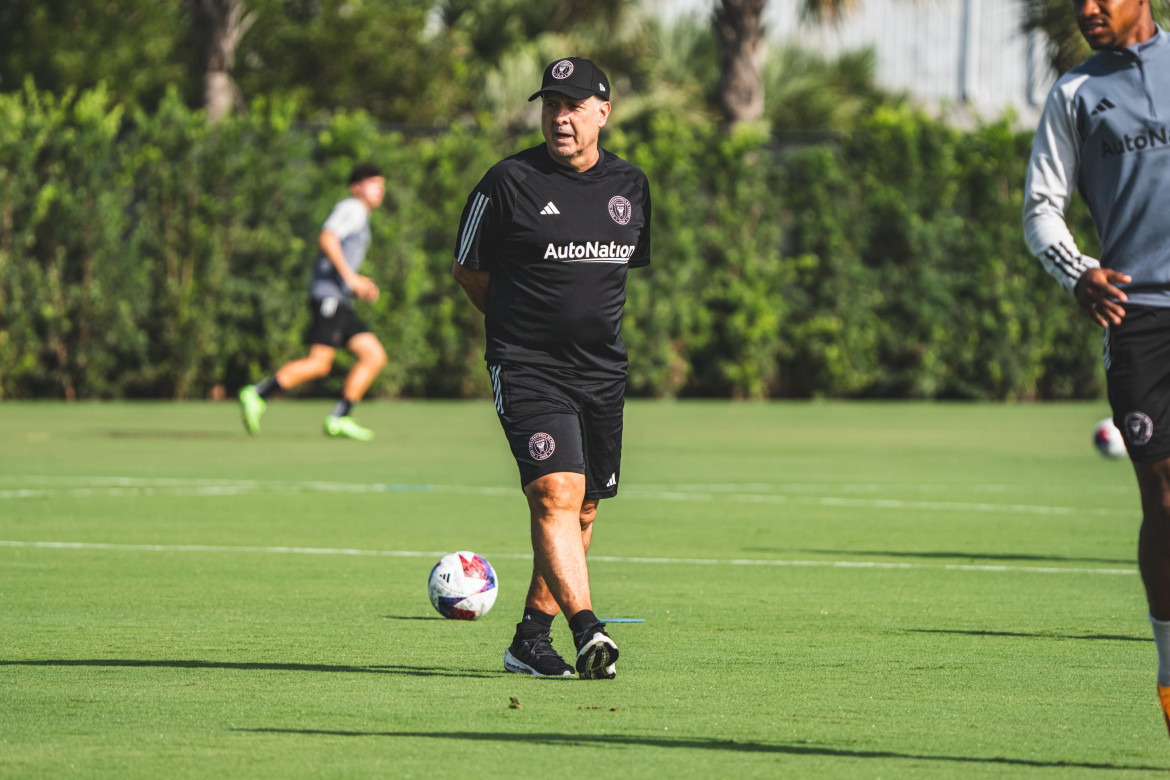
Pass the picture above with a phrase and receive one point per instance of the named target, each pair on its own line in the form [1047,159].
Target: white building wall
[966,57]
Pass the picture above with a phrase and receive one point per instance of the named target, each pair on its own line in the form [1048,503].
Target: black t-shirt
[557,244]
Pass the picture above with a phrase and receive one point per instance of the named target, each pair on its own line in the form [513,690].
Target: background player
[1106,130]
[543,248]
[335,284]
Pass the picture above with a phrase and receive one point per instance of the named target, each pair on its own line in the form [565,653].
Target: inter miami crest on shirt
[620,210]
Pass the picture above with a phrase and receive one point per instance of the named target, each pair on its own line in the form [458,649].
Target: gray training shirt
[350,222]
[1106,131]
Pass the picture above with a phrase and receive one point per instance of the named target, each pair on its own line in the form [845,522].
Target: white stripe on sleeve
[467,240]
[1052,176]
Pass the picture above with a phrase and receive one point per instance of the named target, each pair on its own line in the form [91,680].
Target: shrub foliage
[152,255]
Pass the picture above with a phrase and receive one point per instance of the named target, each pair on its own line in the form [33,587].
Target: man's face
[369,191]
[1111,24]
[571,128]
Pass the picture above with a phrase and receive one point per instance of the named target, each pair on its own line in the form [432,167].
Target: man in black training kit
[543,248]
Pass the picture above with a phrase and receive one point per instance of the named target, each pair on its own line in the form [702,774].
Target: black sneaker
[535,655]
[596,654]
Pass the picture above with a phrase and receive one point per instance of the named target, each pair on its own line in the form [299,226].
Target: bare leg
[1154,539]
[539,596]
[371,357]
[1154,562]
[316,365]
[562,526]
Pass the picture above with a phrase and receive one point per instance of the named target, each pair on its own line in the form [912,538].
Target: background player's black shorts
[334,323]
[555,423]
[1137,368]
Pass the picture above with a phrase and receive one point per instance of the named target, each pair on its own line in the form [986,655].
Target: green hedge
[155,256]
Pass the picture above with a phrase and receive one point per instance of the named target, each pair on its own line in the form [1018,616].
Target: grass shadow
[1032,635]
[779,748]
[955,555]
[177,435]
[396,669]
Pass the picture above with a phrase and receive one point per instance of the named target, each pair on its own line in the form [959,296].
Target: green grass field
[829,589]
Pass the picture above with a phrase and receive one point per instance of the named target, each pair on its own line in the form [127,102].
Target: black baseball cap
[576,77]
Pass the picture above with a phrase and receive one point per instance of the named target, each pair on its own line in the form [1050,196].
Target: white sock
[1162,642]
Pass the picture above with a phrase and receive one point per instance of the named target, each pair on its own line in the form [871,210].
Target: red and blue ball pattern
[1108,439]
[462,586]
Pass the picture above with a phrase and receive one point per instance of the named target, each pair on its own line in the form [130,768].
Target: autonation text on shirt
[590,250]
[1149,139]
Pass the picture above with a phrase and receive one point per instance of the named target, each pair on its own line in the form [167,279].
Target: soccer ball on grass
[1108,440]
[462,586]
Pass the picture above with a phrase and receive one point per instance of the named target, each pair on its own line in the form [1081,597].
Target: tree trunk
[220,95]
[219,27]
[742,47]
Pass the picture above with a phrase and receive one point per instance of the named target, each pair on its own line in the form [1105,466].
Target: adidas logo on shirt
[612,480]
[550,208]
[1102,107]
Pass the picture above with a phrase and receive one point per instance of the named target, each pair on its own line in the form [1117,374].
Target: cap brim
[577,93]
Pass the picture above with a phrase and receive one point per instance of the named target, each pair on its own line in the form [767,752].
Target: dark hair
[363,171]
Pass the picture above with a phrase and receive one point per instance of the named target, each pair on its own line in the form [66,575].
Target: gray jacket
[1106,132]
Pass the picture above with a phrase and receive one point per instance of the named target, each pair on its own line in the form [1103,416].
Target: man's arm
[1052,175]
[363,286]
[474,283]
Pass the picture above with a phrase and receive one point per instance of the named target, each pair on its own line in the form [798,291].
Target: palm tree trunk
[742,47]
[219,27]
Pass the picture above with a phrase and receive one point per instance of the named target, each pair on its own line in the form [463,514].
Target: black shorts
[554,424]
[334,323]
[1137,369]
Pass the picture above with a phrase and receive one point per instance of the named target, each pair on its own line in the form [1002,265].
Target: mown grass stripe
[50,545]
[120,487]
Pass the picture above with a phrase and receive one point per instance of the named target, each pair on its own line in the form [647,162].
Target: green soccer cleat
[348,427]
[251,407]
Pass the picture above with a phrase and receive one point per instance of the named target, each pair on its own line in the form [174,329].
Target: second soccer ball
[1107,439]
